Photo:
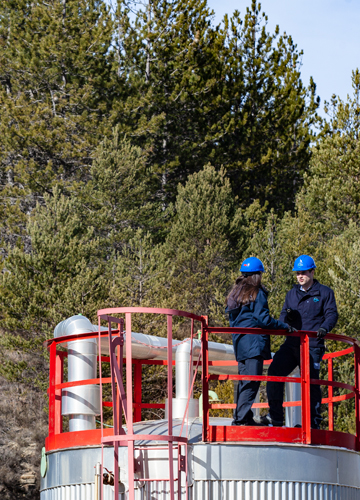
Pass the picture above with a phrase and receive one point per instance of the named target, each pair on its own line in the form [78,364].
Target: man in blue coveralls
[308,306]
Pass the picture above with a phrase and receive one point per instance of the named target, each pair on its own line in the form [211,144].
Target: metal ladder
[122,398]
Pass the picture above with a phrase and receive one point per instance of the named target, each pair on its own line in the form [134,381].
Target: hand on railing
[321,333]
[291,329]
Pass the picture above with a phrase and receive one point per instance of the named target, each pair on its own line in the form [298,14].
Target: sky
[327,31]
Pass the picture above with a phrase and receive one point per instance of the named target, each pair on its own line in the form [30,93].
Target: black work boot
[267,420]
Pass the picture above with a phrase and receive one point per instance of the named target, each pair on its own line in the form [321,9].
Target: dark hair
[245,289]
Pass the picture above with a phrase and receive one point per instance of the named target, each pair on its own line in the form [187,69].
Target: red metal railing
[126,401]
[123,402]
[305,434]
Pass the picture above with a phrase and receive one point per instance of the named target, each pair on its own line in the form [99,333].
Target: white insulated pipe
[81,403]
[216,352]
[293,393]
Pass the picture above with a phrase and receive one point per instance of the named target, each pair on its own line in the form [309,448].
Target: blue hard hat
[252,265]
[304,263]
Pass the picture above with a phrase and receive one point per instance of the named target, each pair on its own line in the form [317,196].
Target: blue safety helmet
[252,265]
[304,263]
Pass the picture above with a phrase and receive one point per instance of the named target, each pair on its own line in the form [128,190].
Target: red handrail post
[331,394]
[59,375]
[129,403]
[305,389]
[205,380]
[52,382]
[170,391]
[357,393]
[137,389]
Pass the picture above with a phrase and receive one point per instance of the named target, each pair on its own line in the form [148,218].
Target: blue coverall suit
[250,350]
[312,310]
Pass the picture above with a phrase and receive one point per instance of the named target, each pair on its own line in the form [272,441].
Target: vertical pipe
[52,379]
[191,374]
[101,411]
[183,364]
[331,394]
[305,389]
[170,405]
[121,366]
[137,389]
[293,393]
[81,366]
[80,403]
[97,481]
[129,403]
[114,392]
[59,375]
[116,357]
[191,367]
[205,382]
[118,398]
[186,473]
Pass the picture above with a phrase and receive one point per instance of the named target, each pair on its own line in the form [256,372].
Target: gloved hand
[291,329]
[321,333]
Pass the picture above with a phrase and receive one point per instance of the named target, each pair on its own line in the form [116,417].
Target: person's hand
[291,329]
[321,333]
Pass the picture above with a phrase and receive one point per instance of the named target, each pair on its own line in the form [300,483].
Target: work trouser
[285,361]
[247,389]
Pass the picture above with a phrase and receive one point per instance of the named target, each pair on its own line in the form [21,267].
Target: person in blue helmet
[308,306]
[247,307]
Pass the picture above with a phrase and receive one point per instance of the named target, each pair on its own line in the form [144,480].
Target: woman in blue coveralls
[247,307]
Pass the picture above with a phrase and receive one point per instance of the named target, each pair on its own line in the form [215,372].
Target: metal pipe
[217,352]
[97,484]
[82,403]
[293,393]
[183,378]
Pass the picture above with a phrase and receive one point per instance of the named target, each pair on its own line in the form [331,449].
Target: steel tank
[216,471]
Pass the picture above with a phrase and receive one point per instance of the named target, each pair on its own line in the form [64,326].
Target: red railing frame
[122,438]
[305,434]
[57,439]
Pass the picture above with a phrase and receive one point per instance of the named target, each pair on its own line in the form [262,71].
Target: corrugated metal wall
[271,490]
[215,490]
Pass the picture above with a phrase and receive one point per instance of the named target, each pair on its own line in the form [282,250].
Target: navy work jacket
[253,315]
[314,308]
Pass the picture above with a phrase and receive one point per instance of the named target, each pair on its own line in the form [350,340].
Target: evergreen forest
[144,153]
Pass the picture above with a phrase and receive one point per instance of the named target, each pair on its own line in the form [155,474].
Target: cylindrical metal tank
[216,471]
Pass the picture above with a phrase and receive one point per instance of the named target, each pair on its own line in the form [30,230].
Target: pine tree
[169,61]
[119,194]
[230,95]
[265,127]
[203,245]
[56,90]
[62,275]
[331,190]
[343,262]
